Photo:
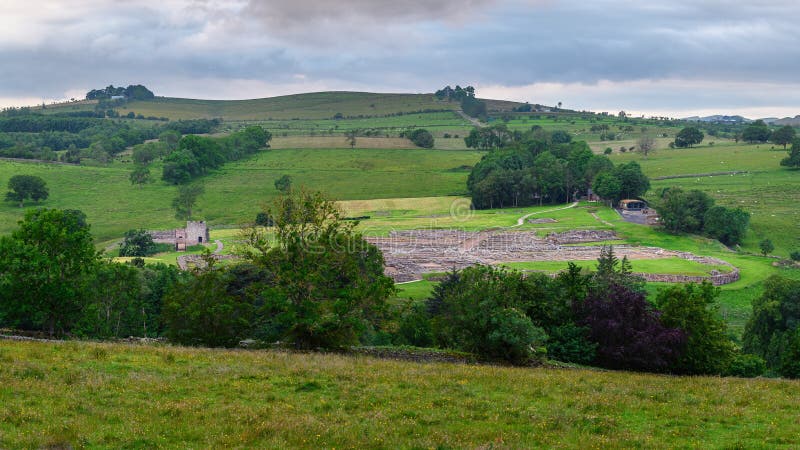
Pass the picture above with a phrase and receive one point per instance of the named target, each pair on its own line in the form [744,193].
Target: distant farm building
[632,205]
[195,233]
[117,97]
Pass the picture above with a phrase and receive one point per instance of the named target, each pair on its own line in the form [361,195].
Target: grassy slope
[235,193]
[318,105]
[769,192]
[118,396]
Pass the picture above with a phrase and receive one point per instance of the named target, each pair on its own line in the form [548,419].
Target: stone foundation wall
[163,236]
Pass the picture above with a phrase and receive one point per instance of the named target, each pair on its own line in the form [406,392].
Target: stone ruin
[195,233]
[410,254]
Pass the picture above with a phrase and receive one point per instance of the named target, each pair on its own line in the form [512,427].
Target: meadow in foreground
[131,396]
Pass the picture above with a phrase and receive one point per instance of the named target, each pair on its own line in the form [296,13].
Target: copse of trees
[756,132]
[602,318]
[694,212]
[526,169]
[197,155]
[52,280]
[466,96]
[132,92]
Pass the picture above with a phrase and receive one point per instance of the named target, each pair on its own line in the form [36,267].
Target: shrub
[202,311]
[795,255]
[693,309]
[746,366]
[570,343]
[481,310]
[421,138]
[628,332]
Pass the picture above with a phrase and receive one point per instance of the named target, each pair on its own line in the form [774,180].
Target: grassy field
[319,105]
[663,265]
[75,395]
[236,193]
[768,191]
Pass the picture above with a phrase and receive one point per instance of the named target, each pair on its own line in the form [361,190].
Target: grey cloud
[403,45]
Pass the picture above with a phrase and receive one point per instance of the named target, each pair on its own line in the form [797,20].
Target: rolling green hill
[316,105]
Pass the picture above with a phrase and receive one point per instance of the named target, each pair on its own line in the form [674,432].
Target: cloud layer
[654,57]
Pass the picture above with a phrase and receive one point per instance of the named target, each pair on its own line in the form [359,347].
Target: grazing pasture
[70,395]
[768,191]
[236,192]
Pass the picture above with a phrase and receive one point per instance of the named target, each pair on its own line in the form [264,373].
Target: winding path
[521,220]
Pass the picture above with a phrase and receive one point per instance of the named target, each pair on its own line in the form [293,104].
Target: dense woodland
[537,167]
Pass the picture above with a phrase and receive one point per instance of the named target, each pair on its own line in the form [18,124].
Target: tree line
[538,167]
[71,139]
[197,155]
[313,282]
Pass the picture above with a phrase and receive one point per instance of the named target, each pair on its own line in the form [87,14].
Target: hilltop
[307,106]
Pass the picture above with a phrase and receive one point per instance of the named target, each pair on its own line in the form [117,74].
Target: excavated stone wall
[410,254]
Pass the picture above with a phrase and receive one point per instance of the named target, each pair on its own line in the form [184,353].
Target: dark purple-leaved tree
[628,331]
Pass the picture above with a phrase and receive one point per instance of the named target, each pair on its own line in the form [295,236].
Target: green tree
[115,307]
[682,211]
[607,186]
[202,311]
[45,268]
[766,247]
[757,131]
[421,138]
[633,181]
[140,175]
[772,328]
[327,285]
[137,243]
[22,187]
[726,225]
[693,309]
[688,137]
[560,137]
[793,160]
[783,136]
[481,310]
[284,183]
[186,199]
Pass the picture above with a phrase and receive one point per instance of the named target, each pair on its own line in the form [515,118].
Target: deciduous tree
[23,187]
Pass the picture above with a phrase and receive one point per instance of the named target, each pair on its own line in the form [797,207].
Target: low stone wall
[185,262]
[715,279]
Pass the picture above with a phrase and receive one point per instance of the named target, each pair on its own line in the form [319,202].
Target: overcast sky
[654,57]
